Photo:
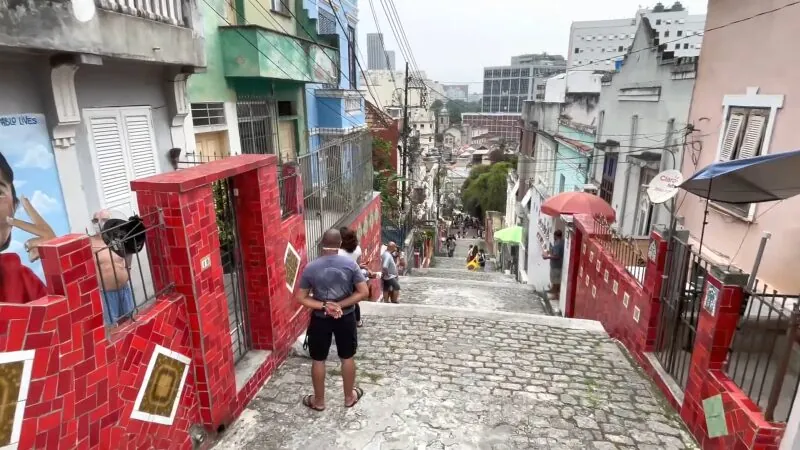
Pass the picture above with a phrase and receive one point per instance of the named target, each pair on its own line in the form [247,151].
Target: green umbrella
[510,235]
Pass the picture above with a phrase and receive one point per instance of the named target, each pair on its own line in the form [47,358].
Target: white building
[505,88]
[385,88]
[423,121]
[597,44]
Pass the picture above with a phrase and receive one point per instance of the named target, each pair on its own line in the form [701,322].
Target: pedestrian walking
[482,259]
[331,286]
[391,284]
[556,257]
[351,249]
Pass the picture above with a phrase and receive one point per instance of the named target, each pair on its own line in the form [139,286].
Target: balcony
[160,31]
[250,51]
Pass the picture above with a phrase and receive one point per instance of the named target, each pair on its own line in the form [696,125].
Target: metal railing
[764,357]
[167,11]
[624,249]
[337,180]
[129,276]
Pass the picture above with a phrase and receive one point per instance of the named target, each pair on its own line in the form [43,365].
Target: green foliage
[456,107]
[485,189]
[384,179]
[437,106]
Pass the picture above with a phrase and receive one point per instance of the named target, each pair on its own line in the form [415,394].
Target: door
[122,146]
[212,146]
[644,213]
[232,268]
[562,296]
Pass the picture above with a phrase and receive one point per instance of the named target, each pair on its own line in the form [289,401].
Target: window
[352,104]
[326,24]
[562,181]
[351,47]
[281,7]
[666,34]
[685,46]
[680,33]
[577,50]
[609,174]
[122,144]
[669,21]
[506,73]
[524,73]
[422,126]
[287,139]
[658,21]
[743,138]
[204,114]
[677,46]
[620,48]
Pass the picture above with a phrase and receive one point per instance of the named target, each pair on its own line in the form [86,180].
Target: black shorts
[391,285]
[322,329]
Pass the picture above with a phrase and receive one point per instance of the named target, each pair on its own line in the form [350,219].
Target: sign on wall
[32,206]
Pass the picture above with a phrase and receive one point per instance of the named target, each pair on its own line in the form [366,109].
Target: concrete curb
[410,310]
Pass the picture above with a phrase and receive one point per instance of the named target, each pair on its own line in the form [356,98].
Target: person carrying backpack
[482,259]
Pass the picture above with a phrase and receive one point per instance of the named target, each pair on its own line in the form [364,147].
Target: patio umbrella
[764,178]
[578,203]
[510,235]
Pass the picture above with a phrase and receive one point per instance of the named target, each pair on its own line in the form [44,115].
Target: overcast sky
[452,40]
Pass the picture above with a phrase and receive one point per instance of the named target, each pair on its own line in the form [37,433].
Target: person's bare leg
[318,380]
[395,296]
[349,380]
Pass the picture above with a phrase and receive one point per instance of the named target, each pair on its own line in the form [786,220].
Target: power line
[403,32]
[383,44]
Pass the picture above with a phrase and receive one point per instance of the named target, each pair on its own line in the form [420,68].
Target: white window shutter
[731,136]
[113,181]
[751,142]
[141,142]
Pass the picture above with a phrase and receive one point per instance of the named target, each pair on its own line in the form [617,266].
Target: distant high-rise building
[390,58]
[505,88]
[457,91]
[376,53]
[599,44]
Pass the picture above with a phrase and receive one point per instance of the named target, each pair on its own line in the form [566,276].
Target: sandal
[360,323]
[308,402]
[359,394]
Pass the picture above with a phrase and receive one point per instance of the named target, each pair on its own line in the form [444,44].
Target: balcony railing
[167,11]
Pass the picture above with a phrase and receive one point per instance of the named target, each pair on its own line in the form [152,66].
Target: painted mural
[31,205]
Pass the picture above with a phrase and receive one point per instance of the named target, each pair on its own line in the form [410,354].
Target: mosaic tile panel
[291,263]
[161,390]
[15,377]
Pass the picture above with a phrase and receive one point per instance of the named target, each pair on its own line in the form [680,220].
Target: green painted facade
[252,51]
[212,86]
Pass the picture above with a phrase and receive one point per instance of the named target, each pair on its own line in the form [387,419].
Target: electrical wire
[749,226]
[383,44]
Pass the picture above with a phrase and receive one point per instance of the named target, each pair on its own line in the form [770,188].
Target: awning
[510,235]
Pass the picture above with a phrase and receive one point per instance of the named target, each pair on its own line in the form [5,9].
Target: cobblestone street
[468,360]
[439,378]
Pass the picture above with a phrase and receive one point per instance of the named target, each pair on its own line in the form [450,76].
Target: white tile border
[26,356]
[636,314]
[136,414]
[625,300]
[615,287]
[290,248]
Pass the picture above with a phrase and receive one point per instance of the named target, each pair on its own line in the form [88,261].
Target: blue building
[573,158]
[336,111]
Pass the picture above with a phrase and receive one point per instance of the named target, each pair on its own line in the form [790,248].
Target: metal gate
[230,252]
[257,123]
[681,298]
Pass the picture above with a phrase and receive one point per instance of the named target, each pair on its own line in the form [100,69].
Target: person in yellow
[472,258]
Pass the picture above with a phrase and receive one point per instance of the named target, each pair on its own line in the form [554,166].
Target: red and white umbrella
[578,203]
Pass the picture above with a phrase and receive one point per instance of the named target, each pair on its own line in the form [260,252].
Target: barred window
[204,114]
[326,24]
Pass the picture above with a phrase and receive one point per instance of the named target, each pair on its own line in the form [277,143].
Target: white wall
[538,267]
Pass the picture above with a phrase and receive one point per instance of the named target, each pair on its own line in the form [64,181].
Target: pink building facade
[746,87]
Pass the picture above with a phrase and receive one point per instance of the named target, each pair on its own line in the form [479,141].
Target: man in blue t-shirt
[556,257]
[331,286]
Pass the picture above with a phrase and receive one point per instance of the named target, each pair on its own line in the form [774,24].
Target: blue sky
[25,143]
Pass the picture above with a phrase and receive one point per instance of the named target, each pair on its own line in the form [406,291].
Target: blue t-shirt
[557,253]
[332,278]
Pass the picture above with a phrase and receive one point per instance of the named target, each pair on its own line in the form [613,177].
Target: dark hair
[558,233]
[349,239]
[8,174]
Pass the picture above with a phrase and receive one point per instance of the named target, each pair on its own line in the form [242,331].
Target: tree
[485,189]
[384,179]
[456,107]
[437,106]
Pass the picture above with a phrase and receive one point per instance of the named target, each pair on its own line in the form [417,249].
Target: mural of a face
[8,201]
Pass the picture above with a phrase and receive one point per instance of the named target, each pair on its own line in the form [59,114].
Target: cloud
[36,157]
[43,203]
[16,247]
[19,183]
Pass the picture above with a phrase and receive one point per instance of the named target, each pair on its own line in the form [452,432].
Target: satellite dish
[664,186]
[83,10]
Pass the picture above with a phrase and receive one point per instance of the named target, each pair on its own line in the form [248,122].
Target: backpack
[481,260]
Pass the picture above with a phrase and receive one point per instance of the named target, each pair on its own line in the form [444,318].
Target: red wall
[368,229]
[85,377]
[591,295]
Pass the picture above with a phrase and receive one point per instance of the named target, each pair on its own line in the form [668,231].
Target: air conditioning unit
[590,189]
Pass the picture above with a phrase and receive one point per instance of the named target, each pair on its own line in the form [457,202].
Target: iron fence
[129,276]
[764,357]
[625,249]
[337,180]
[686,275]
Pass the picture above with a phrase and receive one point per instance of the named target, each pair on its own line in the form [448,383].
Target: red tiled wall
[591,296]
[368,228]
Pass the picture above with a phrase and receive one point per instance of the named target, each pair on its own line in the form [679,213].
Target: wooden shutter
[140,140]
[287,139]
[731,136]
[111,169]
[753,135]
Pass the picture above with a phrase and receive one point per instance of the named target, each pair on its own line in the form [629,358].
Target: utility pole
[405,143]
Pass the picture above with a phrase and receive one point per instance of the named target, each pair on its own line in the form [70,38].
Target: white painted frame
[139,415]
[26,356]
[290,248]
[751,99]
